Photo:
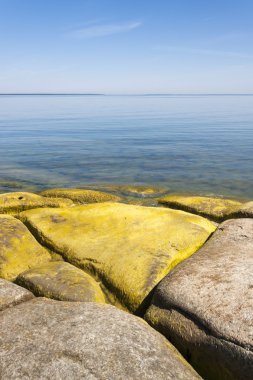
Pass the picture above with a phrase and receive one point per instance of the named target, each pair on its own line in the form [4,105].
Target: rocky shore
[125,283]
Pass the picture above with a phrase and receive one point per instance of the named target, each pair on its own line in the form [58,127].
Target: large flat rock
[205,306]
[11,294]
[19,250]
[45,339]
[13,203]
[217,209]
[129,248]
[81,196]
[61,281]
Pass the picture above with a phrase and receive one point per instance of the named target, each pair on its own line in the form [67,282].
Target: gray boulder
[205,305]
[46,339]
[11,294]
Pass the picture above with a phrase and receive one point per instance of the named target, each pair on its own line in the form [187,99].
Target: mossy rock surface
[61,281]
[129,248]
[243,211]
[137,191]
[13,203]
[216,209]
[81,196]
[205,305]
[12,294]
[19,250]
[46,339]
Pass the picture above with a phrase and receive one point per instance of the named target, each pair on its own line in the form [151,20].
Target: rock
[216,209]
[205,306]
[81,196]
[244,211]
[11,294]
[137,191]
[128,248]
[45,339]
[61,281]
[19,250]
[13,203]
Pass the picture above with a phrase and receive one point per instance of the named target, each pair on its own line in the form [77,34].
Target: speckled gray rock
[11,294]
[205,306]
[65,340]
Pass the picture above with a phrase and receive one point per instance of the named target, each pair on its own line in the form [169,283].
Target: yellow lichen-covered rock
[129,248]
[213,208]
[61,281]
[81,196]
[243,211]
[19,250]
[13,203]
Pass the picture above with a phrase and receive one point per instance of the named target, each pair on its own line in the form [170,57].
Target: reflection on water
[201,144]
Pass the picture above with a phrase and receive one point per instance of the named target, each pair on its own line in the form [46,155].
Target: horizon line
[122,94]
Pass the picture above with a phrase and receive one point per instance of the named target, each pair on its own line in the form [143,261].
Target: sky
[126,47]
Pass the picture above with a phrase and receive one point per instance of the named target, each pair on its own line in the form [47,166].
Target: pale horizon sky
[133,47]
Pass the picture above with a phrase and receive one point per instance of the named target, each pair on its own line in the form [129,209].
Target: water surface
[195,144]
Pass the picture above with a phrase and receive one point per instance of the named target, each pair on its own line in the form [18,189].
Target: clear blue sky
[113,46]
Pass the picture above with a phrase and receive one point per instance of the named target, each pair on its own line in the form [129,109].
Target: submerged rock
[128,248]
[61,281]
[19,250]
[216,209]
[205,306]
[11,294]
[81,196]
[45,339]
[13,203]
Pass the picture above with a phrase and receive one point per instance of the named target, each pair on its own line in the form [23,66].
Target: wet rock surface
[81,196]
[128,248]
[55,340]
[205,305]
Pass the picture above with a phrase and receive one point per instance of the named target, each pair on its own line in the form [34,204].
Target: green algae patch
[128,248]
[216,209]
[61,281]
[81,196]
[13,203]
[19,250]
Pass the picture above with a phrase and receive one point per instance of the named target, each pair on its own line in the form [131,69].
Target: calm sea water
[201,144]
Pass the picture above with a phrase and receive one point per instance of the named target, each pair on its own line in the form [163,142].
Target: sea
[191,144]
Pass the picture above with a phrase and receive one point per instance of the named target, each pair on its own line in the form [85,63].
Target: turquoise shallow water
[196,144]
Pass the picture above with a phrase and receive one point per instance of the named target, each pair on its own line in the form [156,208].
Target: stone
[128,248]
[216,209]
[61,281]
[11,294]
[244,211]
[205,305]
[81,196]
[46,339]
[19,250]
[13,203]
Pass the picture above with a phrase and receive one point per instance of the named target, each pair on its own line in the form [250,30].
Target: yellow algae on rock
[61,281]
[13,203]
[81,196]
[19,250]
[213,208]
[243,211]
[129,248]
